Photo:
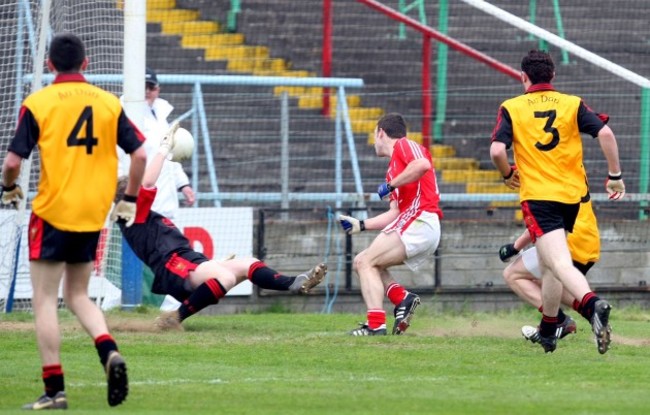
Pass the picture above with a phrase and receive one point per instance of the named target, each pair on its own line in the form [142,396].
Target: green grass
[305,364]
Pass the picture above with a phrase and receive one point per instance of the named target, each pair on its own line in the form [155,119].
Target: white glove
[615,186]
[124,210]
[351,225]
[11,195]
[167,142]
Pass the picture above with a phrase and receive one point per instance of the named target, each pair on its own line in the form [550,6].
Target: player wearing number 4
[543,127]
[410,229]
[76,127]
[182,272]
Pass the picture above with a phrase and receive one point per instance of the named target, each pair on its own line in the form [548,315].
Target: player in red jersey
[410,229]
[185,274]
[76,127]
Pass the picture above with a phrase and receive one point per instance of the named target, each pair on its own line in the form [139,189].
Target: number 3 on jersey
[550,116]
[87,140]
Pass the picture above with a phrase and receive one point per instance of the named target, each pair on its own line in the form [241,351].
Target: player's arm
[21,146]
[507,251]
[353,225]
[417,165]
[11,168]
[183,183]
[609,146]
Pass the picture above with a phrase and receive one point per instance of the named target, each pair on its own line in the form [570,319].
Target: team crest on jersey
[168,223]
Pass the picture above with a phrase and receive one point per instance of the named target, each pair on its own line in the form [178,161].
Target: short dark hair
[393,125]
[67,52]
[539,67]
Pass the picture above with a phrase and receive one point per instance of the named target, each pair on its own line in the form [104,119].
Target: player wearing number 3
[76,127]
[543,127]
[410,229]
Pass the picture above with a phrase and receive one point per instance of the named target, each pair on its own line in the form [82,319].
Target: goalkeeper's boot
[364,330]
[600,325]
[404,313]
[58,401]
[118,382]
[308,280]
[169,320]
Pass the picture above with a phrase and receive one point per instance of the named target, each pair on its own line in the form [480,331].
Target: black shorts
[543,216]
[171,278]
[47,242]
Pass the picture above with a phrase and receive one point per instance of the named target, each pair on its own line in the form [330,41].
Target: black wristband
[389,187]
[183,187]
[362,226]
[619,177]
[512,171]
[129,198]
[9,188]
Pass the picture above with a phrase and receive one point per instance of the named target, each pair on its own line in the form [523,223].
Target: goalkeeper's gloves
[384,190]
[615,186]
[507,251]
[512,179]
[11,195]
[124,210]
[167,142]
[351,225]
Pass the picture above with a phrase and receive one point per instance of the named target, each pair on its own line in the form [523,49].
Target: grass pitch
[306,364]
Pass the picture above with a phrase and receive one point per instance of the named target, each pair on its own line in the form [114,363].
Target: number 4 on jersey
[88,140]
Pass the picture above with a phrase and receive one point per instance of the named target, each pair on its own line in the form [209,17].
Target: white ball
[183,145]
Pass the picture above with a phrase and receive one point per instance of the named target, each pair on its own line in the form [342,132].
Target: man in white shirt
[172,177]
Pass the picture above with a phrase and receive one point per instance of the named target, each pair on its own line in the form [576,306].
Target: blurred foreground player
[76,127]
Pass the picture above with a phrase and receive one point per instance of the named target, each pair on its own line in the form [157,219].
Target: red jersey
[421,195]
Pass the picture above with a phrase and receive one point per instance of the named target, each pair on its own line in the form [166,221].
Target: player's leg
[75,294]
[260,274]
[46,277]
[420,240]
[386,250]
[520,276]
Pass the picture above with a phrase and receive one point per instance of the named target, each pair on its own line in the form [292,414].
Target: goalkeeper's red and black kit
[543,127]
[77,128]
[162,246]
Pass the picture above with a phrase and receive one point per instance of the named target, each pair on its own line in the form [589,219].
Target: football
[183,145]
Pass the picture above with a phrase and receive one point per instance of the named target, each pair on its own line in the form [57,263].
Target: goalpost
[28,25]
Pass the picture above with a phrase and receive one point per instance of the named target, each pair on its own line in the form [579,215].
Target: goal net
[99,23]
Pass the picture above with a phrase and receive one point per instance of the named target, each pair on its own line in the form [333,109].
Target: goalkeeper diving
[185,274]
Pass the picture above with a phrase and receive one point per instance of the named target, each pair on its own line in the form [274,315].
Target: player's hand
[351,225]
[615,186]
[11,195]
[507,251]
[167,142]
[384,190]
[124,210]
[512,179]
[188,192]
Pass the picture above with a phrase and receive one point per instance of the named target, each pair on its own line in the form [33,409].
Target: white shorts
[420,239]
[531,262]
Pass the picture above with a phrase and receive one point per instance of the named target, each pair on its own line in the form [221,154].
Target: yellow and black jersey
[584,241]
[543,127]
[77,127]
